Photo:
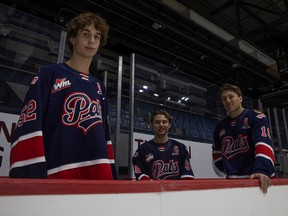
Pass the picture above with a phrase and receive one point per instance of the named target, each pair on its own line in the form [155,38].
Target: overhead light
[184,98]
[210,26]
[145,87]
[141,90]
[157,26]
[235,65]
[156,95]
[175,102]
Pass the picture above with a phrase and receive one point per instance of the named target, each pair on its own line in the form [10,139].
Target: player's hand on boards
[264,181]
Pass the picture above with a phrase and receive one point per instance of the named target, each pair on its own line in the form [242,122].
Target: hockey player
[62,132]
[242,144]
[162,158]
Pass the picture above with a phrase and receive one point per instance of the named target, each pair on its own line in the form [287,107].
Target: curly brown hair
[161,112]
[81,21]
[229,87]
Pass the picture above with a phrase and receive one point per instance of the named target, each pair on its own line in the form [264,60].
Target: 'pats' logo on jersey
[81,111]
[231,147]
[161,170]
[60,84]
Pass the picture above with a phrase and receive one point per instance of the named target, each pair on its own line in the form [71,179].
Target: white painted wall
[6,121]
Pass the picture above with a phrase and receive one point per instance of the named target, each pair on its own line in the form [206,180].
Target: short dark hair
[81,21]
[161,112]
[229,87]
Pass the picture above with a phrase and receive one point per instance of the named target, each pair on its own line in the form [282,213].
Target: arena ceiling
[221,41]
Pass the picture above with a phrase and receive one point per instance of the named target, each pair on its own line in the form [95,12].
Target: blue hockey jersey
[242,146]
[169,161]
[62,130]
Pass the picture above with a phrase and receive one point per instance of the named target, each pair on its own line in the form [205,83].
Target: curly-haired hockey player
[162,158]
[242,145]
[63,131]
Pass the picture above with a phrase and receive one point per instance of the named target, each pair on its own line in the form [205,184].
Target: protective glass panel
[26,44]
